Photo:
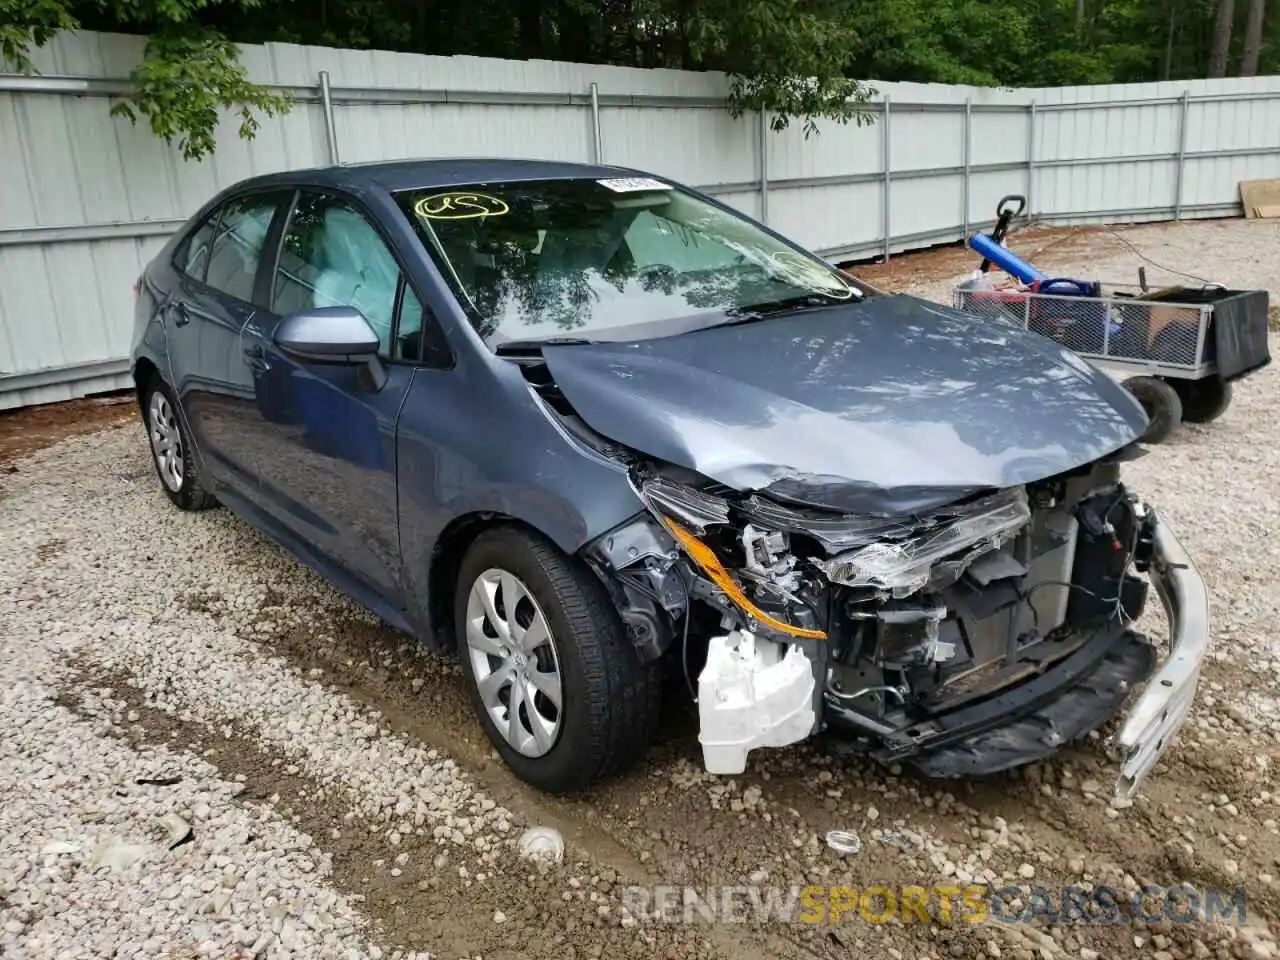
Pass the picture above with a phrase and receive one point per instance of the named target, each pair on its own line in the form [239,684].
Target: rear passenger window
[237,245]
[195,258]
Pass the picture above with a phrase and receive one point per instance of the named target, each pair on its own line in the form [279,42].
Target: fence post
[885,206]
[1031,158]
[330,129]
[1182,154]
[595,123]
[764,166]
[968,158]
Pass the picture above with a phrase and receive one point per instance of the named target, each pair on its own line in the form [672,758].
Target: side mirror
[332,335]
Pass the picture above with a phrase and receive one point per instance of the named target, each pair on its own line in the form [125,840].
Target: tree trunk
[1079,23]
[1168,46]
[530,28]
[1253,38]
[576,35]
[1221,38]
[684,11]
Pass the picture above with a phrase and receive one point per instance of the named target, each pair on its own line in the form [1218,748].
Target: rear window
[194,258]
[555,258]
[237,245]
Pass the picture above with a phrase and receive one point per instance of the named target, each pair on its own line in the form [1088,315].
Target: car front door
[329,473]
[212,301]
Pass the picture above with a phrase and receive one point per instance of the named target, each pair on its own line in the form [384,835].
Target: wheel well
[446,560]
[144,371]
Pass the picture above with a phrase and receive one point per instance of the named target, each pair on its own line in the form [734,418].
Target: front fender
[475,443]
[568,523]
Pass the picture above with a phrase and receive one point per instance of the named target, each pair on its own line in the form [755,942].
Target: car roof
[393,175]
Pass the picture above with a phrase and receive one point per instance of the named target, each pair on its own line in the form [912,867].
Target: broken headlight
[904,563]
[702,526]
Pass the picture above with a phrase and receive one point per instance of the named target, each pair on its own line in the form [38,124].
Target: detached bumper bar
[1164,705]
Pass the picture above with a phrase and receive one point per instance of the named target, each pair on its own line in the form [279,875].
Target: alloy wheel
[514,662]
[166,440]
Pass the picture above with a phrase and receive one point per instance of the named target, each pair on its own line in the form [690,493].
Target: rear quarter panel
[153,291]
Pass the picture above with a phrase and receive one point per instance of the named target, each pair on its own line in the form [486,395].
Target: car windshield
[534,260]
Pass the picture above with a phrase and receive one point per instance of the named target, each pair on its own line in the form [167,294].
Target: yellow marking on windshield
[460,205]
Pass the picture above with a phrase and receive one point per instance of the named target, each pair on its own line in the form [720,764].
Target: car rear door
[329,438]
[211,303]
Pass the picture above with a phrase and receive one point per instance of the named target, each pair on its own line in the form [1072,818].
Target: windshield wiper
[529,346]
[773,308]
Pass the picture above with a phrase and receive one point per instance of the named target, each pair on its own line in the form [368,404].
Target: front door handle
[256,357]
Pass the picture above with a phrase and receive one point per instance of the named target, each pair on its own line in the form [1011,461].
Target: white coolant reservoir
[752,693]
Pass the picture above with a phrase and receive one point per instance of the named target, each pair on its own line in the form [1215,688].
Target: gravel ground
[334,797]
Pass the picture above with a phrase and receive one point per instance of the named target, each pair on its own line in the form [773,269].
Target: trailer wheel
[1203,401]
[1162,404]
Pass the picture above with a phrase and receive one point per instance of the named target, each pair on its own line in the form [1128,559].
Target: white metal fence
[86,199]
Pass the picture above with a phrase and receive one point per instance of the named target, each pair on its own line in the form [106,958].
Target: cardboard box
[1260,198]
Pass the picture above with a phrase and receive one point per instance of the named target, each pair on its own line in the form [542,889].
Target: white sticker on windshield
[630,184]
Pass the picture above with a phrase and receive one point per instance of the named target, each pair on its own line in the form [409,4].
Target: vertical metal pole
[1031,158]
[330,130]
[764,166]
[968,158]
[595,122]
[885,206]
[1182,155]
[1202,335]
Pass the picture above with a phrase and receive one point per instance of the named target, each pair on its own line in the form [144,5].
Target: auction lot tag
[629,184]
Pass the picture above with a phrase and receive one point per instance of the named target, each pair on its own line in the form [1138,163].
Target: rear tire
[1203,401]
[609,701]
[171,451]
[1161,403]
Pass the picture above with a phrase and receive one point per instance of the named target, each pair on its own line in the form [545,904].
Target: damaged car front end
[975,638]
[847,512]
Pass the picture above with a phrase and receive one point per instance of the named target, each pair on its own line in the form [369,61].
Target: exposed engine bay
[968,640]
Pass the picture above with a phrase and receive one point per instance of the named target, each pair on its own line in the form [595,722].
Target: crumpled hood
[891,405]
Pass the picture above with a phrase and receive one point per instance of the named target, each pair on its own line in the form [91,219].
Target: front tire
[171,451]
[554,680]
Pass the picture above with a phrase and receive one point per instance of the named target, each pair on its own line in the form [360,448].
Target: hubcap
[166,441]
[514,660]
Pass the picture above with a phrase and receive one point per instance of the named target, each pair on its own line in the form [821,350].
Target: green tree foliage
[188,76]
[800,60]
[185,80]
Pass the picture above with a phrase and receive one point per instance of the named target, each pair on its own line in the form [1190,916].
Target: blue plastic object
[1066,287]
[1002,258]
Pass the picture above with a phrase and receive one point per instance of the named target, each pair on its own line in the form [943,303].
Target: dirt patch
[1031,242]
[421,896]
[26,430]
[1044,246]
[420,695]
[666,822]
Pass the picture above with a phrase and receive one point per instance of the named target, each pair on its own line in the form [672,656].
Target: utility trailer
[1178,350]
